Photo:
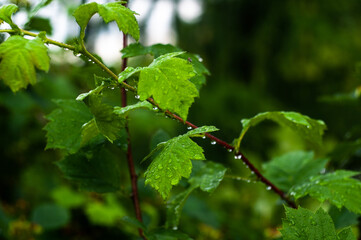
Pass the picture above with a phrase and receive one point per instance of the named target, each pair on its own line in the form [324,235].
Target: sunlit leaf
[5,14]
[19,58]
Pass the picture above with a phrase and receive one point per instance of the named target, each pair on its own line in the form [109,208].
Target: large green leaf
[5,14]
[346,234]
[303,224]
[166,79]
[310,129]
[64,128]
[293,169]
[174,161]
[114,11]
[19,57]
[206,176]
[337,187]
[93,169]
[157,50]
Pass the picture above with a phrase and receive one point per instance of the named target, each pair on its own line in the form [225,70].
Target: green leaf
[136,49]
[293,169]
[310,129]
[50,216]
[207,176]
[337,187]
[303,224]
[93,169]
[134,222]
[64,128]
[5,14]
[172,163]
[40,5]
[166,79]
[342,217]
[127,73]
[124,111]
[114,11]
[108,123]
[39,24]
[346,234]
[19,57]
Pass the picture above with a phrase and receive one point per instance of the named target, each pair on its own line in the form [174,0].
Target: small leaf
[39,24]
[310,129]
[303,224]
[5,14]
[337,187]
[95,91]
[19,57]
[50,216]
[167,234]
[114,11]
[93,169]
[166,79]
[346,234]
[207,176]
[201,131]
[127,73]
[64,128]
[293,168]
[40,5]
[172,163]
[124,111]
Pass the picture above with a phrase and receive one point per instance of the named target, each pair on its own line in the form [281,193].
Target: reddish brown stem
[239,155]
[133,174]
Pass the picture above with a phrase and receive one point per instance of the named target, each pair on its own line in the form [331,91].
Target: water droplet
[230,150]
[89,60]
[239,156]
[155,108]
[204,137]
[292,193]
[160,166]
[317,181]
[78,55]
[269,188]
[189,128]
[213,142]
[323,171]
[252,172]
[137,96]
[126,89]
[200,59]
[112,88]
[248,180]
[175,228]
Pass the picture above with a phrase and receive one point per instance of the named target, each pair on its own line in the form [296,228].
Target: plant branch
[238,154]
[132,172]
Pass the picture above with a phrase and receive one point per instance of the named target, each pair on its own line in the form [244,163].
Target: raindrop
[238,157]
[200,59]
[78,55]
[175,228]
[112,88]
[230,150]
[292,193]
[89,60]
[160,166]
[189,128]
[204,137]
[155,108]
[137,96]
[248,180]
[213,142]
[126,89]
[269,188]
[252,172]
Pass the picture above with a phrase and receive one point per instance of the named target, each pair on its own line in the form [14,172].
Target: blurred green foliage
[263,56]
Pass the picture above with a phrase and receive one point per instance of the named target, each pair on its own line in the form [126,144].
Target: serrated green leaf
[114,11]
[346,234]
[303,224]
[172,163]
[95,91]
[108,123]
[89,131]
[166,79]
[337,187]
[201,130]
[64,128]
[308,128]
[136,49]
[127,73]
[19,57]
[93,169]
[206,176]
[5,14]
[293,169]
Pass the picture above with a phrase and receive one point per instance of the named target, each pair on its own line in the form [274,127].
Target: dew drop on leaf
[213,142]
[137,96]
[269,188]
[230,150]
[155,108]
[189,128]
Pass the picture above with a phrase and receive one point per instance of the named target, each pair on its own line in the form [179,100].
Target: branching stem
[238,154]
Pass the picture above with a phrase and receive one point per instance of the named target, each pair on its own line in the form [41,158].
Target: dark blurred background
[263,56]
